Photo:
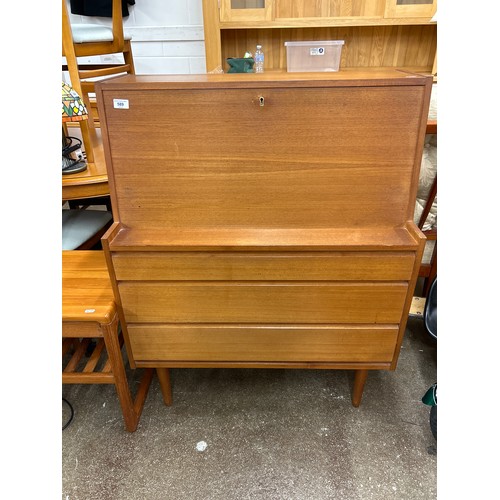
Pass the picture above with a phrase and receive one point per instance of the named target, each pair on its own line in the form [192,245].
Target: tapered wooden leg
[142,392]
[131,408]
[122,388]
[166,388]
[359,385]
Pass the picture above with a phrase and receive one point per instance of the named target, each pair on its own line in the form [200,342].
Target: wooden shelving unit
[377,33]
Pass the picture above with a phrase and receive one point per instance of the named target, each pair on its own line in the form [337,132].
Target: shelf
[263,239]
[81,367]
[318,22]
[364,46]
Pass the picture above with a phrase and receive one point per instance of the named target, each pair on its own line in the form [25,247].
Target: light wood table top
[86,288]
[92,182]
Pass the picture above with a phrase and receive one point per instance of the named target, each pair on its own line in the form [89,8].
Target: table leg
[110,334]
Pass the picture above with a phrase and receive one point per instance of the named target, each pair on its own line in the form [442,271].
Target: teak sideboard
[264,221]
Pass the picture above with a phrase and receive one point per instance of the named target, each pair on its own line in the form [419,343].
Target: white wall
[167,36]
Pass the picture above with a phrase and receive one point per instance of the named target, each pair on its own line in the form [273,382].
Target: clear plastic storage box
[313,56]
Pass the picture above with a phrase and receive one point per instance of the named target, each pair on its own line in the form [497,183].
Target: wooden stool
[89,312]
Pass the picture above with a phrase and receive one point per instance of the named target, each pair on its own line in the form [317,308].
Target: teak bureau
[264,220]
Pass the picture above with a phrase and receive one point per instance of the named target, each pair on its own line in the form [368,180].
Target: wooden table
[89,312]
[92,182]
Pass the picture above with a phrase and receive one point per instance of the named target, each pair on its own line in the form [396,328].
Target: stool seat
[79,226]
[86,292]
[93,33]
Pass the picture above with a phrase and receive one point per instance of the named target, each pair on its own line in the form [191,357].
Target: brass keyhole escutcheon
[261,101]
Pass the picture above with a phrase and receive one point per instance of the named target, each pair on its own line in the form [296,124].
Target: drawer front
[324,266]
[263,343]
[263,302]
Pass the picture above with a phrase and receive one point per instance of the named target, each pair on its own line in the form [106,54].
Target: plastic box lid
[315,42]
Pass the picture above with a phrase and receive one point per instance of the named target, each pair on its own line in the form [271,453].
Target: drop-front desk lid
[276,160]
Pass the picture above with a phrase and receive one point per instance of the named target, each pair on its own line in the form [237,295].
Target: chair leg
[128,58]
[432,273]
[110,333]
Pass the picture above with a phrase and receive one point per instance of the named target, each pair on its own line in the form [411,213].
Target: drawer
[387,266]
[262,302]
[263,343]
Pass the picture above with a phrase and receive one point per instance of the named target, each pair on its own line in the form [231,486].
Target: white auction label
[120,103]
[317,51]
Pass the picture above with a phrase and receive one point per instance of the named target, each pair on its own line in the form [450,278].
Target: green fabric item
[430,397]
[240,64]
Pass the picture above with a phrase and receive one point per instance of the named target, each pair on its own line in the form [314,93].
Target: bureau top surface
[352,77]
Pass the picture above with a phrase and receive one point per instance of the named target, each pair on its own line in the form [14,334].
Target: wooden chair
[84,40]
[428,270]
[83,229]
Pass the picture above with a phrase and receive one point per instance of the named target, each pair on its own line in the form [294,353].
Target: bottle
[259,59]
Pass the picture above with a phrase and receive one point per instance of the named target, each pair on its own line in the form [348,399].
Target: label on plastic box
[317,51]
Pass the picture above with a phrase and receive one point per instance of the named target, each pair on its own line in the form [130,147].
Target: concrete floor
[269,434]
